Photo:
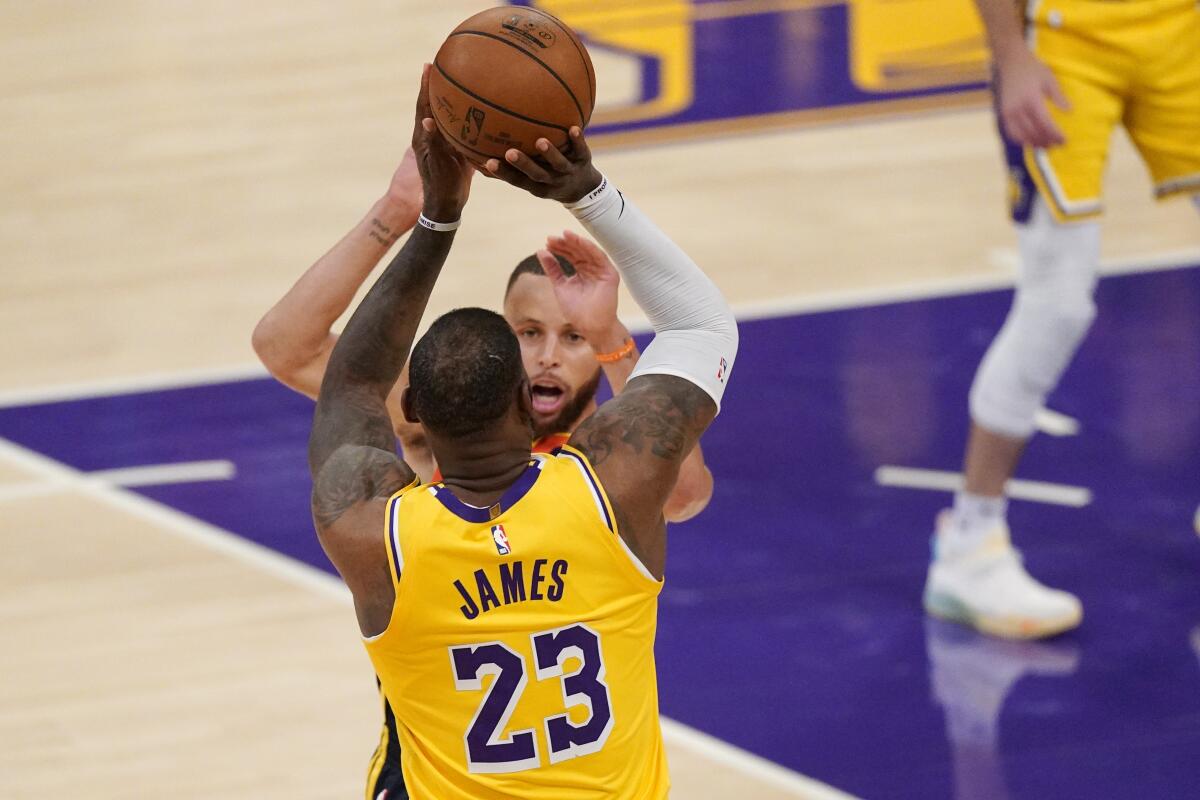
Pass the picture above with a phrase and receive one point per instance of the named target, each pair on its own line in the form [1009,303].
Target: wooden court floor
[169,168]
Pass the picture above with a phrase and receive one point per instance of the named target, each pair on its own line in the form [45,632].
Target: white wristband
[426,222]
[584,207]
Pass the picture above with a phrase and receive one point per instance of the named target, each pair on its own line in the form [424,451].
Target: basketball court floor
[170,626]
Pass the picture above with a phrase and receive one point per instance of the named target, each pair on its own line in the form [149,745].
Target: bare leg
[976,577]
[991,460]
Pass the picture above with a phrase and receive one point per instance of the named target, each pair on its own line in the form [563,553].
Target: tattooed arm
[636,442]
[351,448]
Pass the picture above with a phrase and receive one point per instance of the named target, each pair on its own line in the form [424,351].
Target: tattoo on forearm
[353,475]
[359,417]
[382,233]
[662,416]
[364,365]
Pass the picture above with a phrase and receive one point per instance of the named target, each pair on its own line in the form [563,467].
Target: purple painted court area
[791,622]
[758,62]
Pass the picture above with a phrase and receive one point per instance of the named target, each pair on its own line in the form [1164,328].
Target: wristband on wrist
[444,227]
[616,355]
[592,198]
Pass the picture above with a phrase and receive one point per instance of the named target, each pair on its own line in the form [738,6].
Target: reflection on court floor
[791,622]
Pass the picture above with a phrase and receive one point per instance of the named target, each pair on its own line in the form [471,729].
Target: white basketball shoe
[985,586]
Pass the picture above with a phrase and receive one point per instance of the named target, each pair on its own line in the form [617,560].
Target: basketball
[507,77]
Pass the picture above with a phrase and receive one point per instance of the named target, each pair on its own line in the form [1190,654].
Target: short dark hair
[529,265]
[464,372]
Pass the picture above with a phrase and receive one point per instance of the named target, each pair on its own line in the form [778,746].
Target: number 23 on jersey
[488,749]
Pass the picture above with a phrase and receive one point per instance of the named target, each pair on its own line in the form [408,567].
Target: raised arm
[589,300]
[351,448]
[638,440]
[294,338]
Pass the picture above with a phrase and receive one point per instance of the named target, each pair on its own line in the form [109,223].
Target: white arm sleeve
[695,333]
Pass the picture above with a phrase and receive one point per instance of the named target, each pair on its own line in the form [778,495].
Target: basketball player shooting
[561,302]
[547,639]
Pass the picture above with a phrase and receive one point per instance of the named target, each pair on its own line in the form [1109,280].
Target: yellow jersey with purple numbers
[1134,63]
[519,659]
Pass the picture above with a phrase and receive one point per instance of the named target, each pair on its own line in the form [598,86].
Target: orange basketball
[508,76]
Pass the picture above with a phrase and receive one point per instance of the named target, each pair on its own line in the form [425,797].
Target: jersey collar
[510,498]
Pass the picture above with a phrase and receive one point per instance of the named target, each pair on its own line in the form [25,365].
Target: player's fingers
[1053,133]
[1017,128]
[423,107]
[554,157]
[527,165]
[580,244]
[550,266]
[1055,93]
[495,168]
[1031,133]
[1057,137]
[580,152]
[1046,131]
[583,249]
[562,245]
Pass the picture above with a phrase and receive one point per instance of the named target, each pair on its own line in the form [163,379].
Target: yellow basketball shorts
[1130,62]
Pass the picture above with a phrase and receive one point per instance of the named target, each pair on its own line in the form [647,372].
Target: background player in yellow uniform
[548,692]
[1099,64]
[568,329]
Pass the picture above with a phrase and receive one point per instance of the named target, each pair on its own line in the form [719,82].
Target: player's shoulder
[576,477]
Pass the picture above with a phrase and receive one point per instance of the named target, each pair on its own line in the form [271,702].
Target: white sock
[975,516]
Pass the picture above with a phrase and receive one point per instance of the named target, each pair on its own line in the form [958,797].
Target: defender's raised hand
[445,174]
[588,298]
[565,177]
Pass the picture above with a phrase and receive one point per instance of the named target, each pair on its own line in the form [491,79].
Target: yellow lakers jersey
[519,659]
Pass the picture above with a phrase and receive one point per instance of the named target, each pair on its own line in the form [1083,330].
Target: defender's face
[562,368]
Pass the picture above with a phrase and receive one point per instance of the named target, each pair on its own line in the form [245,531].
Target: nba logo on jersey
[721,370]
[501,540]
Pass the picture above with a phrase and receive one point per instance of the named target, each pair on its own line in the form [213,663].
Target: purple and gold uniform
[1134,63]
[519,660]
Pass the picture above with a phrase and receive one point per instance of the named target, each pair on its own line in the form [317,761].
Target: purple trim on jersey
[587,471]
[510,498]
[393,533]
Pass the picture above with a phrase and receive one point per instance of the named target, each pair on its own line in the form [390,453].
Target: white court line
[148,475]
[767,771]
[162,474]
[51,472]
[945,287]
[1057,494]
[176,522]
[782,307]
[1053,423]
[152,382]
